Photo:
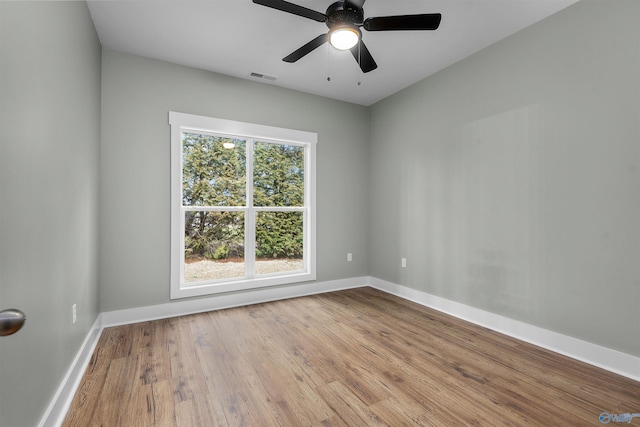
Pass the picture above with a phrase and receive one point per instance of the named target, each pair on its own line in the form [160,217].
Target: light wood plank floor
[352,358]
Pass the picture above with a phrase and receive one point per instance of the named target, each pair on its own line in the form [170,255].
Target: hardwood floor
[352,358]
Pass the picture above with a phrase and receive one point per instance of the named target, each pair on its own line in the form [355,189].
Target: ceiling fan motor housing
[340,14]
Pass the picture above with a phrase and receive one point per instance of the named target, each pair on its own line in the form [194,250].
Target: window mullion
[250,216]
[198,208]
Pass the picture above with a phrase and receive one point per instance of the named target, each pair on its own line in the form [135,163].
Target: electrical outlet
[73,313]
[404,263]
[349,257]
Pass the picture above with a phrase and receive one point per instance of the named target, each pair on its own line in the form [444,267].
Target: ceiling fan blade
[285,6]
[307,48]
[355,4]
[427,21]
[363,57]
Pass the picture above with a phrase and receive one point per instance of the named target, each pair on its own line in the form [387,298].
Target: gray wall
[510,181]
[137,94]
[49,169]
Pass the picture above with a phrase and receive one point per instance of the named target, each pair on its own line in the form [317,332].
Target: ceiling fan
[344,19]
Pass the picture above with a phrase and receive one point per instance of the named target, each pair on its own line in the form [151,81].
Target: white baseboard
[55,413]
[219,302]
[593,354]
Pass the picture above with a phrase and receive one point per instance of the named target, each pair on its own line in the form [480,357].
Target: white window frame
[182,122]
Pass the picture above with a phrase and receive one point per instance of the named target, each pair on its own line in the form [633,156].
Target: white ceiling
[238,37]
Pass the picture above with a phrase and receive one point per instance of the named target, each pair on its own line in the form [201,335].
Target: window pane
[278,175]
[212,174]
[279,242]
[213,246]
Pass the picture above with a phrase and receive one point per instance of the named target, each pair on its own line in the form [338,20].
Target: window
[242,205]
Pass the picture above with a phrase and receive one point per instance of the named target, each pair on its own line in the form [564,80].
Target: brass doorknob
[11,321]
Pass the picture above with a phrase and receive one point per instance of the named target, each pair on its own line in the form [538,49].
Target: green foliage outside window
[216,176]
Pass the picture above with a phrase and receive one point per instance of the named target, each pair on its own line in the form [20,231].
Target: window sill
[195,290]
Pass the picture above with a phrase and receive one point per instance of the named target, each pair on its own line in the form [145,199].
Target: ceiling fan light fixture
[344,37]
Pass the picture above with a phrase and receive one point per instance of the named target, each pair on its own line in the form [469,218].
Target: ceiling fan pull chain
[328,62]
